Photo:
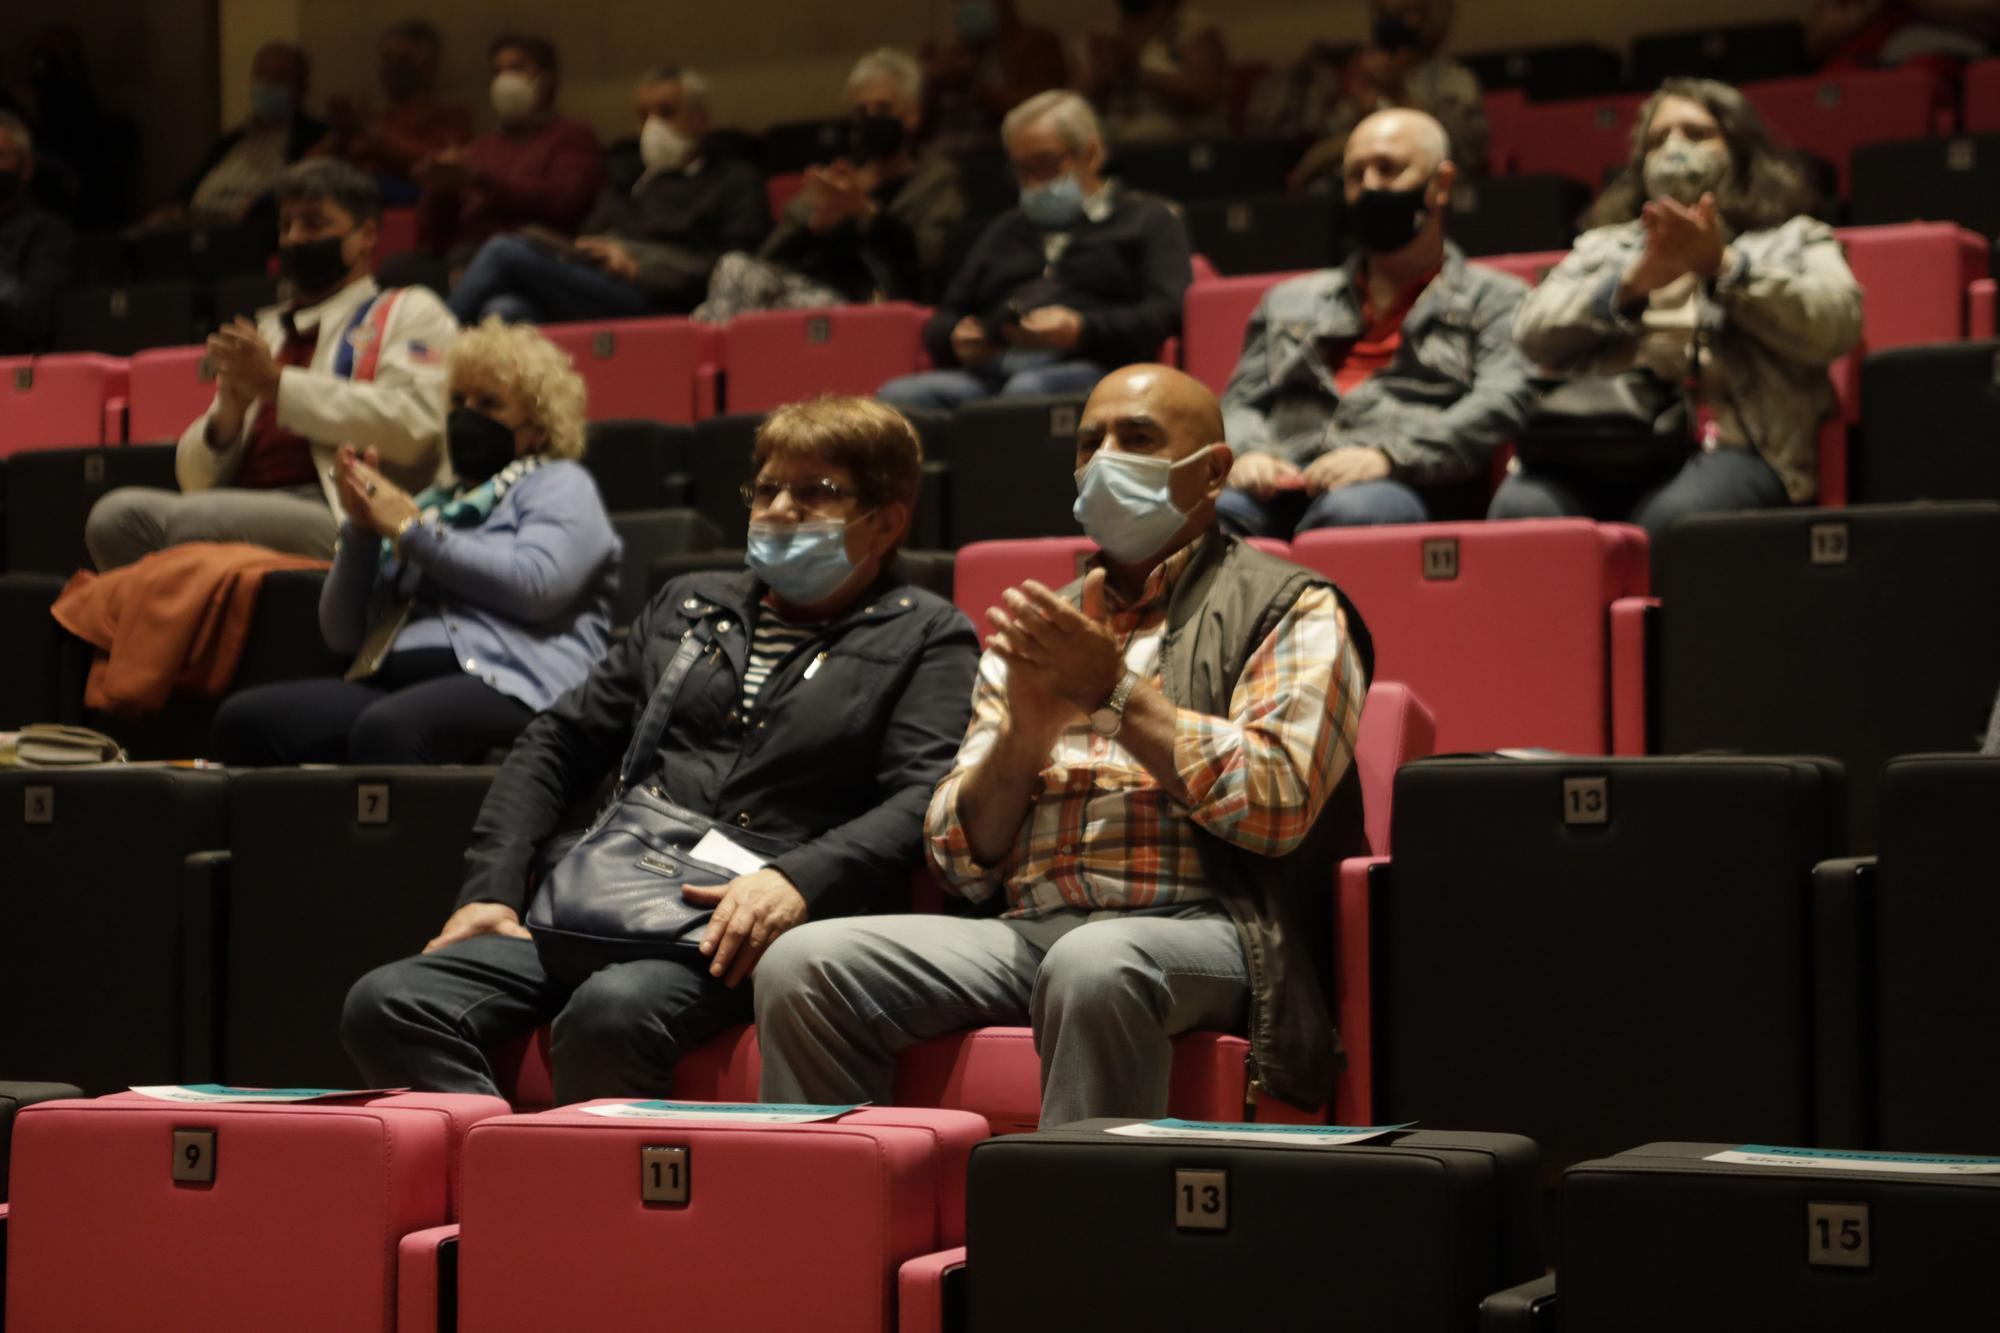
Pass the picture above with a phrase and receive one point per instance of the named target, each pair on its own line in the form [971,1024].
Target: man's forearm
[225,421]
[1151,725]
[996,792]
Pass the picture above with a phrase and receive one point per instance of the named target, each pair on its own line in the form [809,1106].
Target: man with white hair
[870,225]
[649,245]
[37,248]
[1082,278]
[1376,392]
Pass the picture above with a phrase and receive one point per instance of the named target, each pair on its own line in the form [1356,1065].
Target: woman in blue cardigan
[467,608]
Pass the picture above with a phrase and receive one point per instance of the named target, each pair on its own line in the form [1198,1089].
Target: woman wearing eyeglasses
[467,607]
[806,705]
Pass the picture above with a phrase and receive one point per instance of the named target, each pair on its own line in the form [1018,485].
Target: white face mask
[662,147]
[1684,171]
[1125,502]
[515,95]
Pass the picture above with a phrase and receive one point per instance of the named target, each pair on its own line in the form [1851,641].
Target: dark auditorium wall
[153,62]
[778,60]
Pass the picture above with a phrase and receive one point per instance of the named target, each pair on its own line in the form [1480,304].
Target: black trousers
[428,1022]
[421,708]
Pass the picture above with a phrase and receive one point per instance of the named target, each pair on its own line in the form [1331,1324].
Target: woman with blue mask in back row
[467,607]
[1081,278]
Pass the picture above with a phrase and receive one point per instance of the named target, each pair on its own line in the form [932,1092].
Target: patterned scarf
[467,509]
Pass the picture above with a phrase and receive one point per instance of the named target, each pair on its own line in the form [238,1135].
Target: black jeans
[420,708]
[428,1022]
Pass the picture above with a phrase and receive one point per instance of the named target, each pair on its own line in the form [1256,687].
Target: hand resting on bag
[751,911]
[479,919]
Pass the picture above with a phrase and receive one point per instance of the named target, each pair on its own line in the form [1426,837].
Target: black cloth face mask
[875,138]
[479,446]
[1396,34]
[313,266]
[1384,221]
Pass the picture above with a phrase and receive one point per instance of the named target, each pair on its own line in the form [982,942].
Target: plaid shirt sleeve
[944,836]
[1258,778]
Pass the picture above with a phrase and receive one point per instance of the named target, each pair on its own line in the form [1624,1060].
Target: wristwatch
[1108,718]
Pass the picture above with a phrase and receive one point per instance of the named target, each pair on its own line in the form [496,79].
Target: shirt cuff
[1205,748]
[949,853]
[1605,304]
[1733,275]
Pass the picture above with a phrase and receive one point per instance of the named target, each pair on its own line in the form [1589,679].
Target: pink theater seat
[61,402]
[660,369]
[299,1227]
[774,357]
[995,1071]
[397,234]
[1505,112]
[781,190]
[722,1069]
[1504,630]
[784,1227]
[1830,115]
[171,386]
[1982,97]
[984,570]
[1213,317]
[1530,268]
[1584,139]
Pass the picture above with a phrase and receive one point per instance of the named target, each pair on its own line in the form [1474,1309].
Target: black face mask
[479,446]
[1394,33]
[313,266]
[10,186]
[1135,8]
[874,138]
[1384,221]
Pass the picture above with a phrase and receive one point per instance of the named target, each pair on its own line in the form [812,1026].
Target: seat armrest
[1528,1308]
[930,1293]
[1632,620]
[1360,878]
[427,1281]
[204,900]
[1982,303]
[1843,984]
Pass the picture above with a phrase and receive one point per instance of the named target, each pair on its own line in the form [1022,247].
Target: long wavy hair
[1765,188]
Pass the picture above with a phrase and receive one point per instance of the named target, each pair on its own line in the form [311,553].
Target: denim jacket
[1457,388]
[1777,316]
[523,600]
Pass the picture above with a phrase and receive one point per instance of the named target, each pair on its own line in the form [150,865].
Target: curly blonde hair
[518,357]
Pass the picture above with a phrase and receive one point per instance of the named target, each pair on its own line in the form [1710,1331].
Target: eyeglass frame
[830,492]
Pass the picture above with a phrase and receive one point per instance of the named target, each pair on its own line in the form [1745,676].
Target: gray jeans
[135,521]
[1105,992]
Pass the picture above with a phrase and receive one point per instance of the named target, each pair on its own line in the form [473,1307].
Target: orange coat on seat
[177,619]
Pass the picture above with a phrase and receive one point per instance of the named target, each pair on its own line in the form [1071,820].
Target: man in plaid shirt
[1151,785]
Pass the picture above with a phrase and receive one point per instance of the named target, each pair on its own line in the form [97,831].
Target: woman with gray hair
[467,607]
[871,225]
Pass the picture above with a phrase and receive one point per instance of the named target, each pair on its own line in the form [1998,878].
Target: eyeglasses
[813,497]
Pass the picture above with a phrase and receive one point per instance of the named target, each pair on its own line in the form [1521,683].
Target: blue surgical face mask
[1055,205]
[1125,503]
[802,562]
[977,21]
[271,103]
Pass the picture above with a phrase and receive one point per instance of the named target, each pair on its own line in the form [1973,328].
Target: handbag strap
[660,707]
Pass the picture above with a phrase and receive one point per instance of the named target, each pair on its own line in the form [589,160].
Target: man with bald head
[1145,811]
[1376,392]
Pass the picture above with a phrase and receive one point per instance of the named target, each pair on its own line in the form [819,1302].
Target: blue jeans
[1017,374]
[1290,512]
[1709,482]
[517,280]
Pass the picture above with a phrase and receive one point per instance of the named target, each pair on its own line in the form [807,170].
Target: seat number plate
[1201,1200]
[1837,1235]
[663,1175]
[194,1156]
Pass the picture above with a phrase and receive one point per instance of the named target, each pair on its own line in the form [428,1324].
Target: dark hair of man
[330,180]
[1765,187]
[538,49]
[418,32]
